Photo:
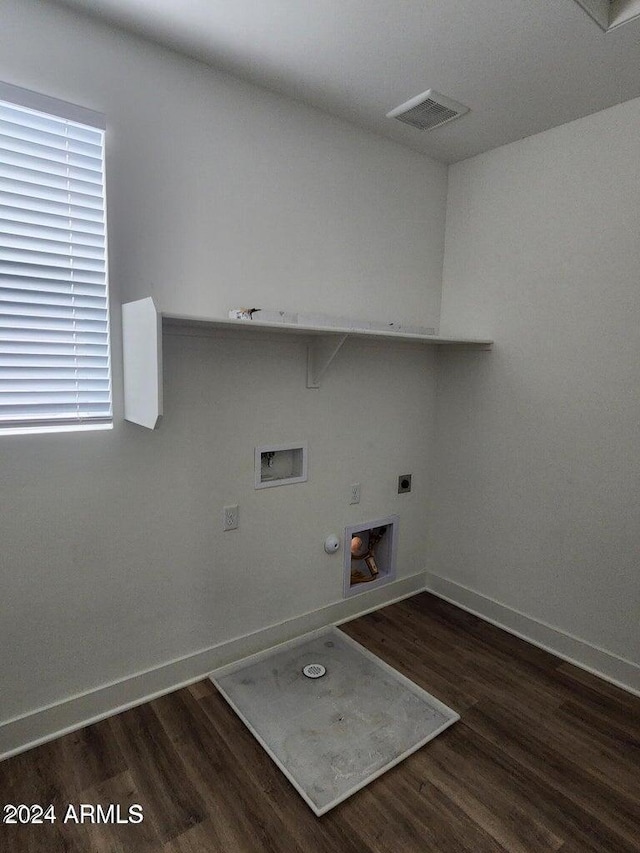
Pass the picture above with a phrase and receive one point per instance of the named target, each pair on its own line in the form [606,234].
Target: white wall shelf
[142,351]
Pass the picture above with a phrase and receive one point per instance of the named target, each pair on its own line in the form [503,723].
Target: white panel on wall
[142,362]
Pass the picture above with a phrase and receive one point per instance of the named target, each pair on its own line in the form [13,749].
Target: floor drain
[314,670]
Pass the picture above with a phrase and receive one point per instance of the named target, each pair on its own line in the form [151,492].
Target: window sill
[34,430]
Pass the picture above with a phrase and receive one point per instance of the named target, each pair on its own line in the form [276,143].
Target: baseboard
[619,671]
[37,727]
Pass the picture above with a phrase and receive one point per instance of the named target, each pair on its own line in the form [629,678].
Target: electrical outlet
[355,494]
[404,483]
[231,517]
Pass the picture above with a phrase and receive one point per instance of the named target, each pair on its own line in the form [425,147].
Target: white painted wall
[113,555]
[222,194]
[538,487]
[112,558]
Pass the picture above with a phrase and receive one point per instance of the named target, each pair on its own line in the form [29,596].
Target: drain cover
[314,670]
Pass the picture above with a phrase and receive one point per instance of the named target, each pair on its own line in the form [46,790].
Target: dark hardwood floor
[545,757]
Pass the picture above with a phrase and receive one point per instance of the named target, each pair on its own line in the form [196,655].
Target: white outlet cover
[230,517]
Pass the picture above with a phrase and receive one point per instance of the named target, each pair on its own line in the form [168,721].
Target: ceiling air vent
[428,110]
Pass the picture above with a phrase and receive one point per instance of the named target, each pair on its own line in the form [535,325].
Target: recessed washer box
[280,464]
[377,539]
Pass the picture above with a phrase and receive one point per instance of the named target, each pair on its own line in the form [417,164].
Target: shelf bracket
[321,351]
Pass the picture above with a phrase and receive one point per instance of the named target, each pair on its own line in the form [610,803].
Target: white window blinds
[54,320]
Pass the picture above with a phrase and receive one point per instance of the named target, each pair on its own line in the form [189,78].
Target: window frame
[66,111]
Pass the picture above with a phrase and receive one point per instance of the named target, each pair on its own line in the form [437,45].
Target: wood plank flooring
[545,758]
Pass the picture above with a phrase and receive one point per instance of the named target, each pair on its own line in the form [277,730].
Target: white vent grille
[428,110]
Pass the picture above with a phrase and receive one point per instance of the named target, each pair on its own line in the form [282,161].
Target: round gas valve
[331,544]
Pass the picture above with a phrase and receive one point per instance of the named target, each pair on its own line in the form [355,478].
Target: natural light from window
[55,372]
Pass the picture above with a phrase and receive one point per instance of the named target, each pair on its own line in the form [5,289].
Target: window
[55,371]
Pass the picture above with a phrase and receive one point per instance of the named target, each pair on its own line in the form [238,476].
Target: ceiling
[522,66]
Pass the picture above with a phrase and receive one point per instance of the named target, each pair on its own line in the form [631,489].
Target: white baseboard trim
[619,671]
[45,724]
